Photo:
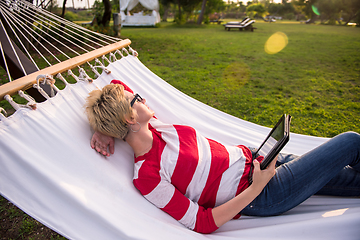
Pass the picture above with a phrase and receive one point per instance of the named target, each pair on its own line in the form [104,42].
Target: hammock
[48,169]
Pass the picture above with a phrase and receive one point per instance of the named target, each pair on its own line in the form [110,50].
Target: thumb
[256,164]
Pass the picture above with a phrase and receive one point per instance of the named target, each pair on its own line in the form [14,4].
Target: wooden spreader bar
[27,81]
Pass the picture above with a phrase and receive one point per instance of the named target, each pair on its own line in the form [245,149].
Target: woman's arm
[166,197]
[228,210]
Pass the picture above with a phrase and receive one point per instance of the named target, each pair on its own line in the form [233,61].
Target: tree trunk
[352,16]
[201,16]
[166,13]
[107,13]
[179,5]
[63,9]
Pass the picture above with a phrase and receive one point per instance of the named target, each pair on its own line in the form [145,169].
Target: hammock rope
[2,116]
[59,76]
[46,79]
[12,47]
[53,39]
[35,24]
[10,24]
[5,63]
[38,19]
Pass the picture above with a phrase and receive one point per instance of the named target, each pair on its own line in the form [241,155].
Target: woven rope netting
[45,40]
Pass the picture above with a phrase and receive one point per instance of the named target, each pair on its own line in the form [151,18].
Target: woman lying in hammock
[202,183]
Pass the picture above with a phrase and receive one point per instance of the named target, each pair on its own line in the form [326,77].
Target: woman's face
[144,113]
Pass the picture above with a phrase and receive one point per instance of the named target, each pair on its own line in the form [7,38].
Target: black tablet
[274,142]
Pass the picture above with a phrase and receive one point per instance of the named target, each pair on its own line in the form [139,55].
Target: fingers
[271,167]
[256,165]
[92,142]
[262,177]
[111,147]
[273,163]
[101,149]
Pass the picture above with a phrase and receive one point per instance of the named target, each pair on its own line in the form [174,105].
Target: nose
[143,100]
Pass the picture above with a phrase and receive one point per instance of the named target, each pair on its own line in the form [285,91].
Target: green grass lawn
[315,78]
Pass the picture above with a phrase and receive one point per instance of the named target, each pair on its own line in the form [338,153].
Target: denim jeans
[331,169]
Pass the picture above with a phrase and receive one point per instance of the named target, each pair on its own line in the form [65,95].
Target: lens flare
[315,10]
[276,43]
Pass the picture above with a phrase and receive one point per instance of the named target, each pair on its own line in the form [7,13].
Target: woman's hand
[262,177]
[228,210]
[102,143]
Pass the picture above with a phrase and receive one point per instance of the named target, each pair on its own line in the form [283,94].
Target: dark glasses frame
[137,97]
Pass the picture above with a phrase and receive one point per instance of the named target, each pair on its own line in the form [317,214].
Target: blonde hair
[108,109]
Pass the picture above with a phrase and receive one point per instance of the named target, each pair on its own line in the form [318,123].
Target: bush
[71,16]
[85,15]
[332,21]
[357,20]
[235,15]
[178,20]
[289,16]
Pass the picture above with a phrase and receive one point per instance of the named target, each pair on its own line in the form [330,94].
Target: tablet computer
[274,142]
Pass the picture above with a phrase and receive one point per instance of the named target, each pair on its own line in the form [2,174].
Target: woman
[203,183]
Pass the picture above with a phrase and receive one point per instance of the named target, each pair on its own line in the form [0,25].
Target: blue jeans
[331,169]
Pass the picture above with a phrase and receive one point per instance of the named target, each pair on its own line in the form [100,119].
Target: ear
[131,119]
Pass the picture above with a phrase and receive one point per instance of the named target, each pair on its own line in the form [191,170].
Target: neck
[141,141]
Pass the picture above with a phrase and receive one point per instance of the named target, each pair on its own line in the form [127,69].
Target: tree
[63,9]
[213,6]
[299,6]
[165,4]
[187,7]
[102,12]
[331,10]
[351,10]
[281,9]
[201,16]
[107,13]
[256,8]
[198,10]
[306,6]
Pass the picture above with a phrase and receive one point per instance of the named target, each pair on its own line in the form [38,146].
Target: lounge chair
[244,21]
[246,26]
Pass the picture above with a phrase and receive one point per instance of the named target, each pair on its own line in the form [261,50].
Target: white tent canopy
[138,19]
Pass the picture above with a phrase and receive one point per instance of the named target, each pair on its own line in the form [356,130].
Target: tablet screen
[276,135]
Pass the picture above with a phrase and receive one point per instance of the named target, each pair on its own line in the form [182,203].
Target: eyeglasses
[136,98]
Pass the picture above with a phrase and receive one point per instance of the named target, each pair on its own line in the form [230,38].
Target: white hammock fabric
[48,169]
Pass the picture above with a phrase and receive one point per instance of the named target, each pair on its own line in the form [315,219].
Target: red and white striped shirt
[186,174]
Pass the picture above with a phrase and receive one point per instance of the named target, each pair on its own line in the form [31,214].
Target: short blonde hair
[108,109]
